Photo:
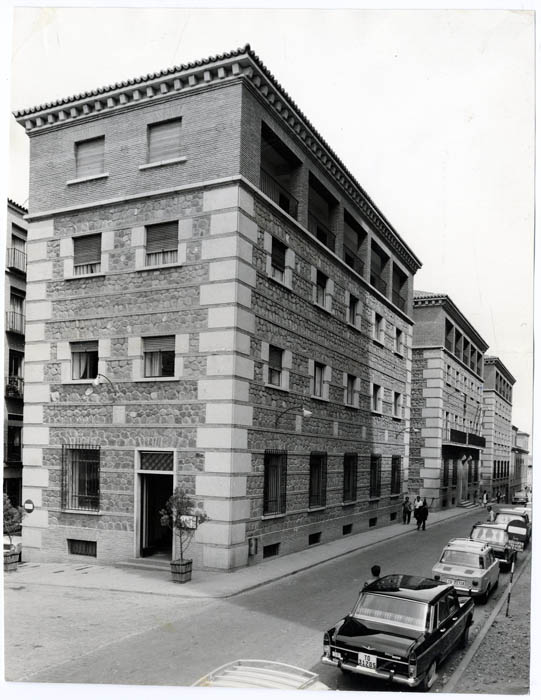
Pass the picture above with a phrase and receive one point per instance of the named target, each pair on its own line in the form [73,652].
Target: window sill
[313,509]
[394,496]
[159,267]
[345,504]
[397,419]
[319,398]
[158,164]
[76,511]
[81,382]
[83,277]
[352,406]
[374,499]
[280,282]
[376,413]
[78,180]
[156,379]
[399,354]
[378,343]
[355,327]
[273,516]
[323,308]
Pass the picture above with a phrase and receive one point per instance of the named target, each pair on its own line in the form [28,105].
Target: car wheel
[465,638]
[496,584]
[431,677]
[484,597]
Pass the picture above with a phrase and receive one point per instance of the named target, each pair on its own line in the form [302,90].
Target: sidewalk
[156,580]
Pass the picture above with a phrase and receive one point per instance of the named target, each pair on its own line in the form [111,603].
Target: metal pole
[510,586]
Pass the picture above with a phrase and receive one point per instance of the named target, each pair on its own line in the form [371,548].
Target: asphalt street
[65,635]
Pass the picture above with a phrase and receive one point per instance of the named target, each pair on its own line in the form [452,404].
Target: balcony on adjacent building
[16,259]
[378,282]
[15,322]
[274,190]
[321,232]
[354,261]
[399,300]
[476,440]
[13,452]
[14,387]
[456,436]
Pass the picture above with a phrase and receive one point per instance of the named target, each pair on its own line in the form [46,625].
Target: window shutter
[164,141]
[90,157]
[162,237]
[87,249]
[159,343]
[87,346]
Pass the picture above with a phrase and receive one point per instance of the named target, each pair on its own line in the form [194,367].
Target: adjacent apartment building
[447,438]
[497,427]
[14,296]
[520,449]
[215,302]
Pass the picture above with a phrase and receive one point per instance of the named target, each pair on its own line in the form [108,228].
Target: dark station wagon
[400,629]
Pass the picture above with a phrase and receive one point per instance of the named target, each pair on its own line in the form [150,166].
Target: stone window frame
[399,342]
[287,278]
[378,328]
[328,290]
[64,356]
[357,313]
[138,242]
[376,398]
[136,355]
[287,362]
[398,401]
[67,254]
[356,389]
[326,379]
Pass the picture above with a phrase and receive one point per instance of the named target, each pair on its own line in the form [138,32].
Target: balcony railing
[15,322]
[273,189]
[398,300]
[16,259]
[449,345]
[476,440]
[14,387]
[353,260]
[378,282]
[452,435]
[321,232]
[13,452]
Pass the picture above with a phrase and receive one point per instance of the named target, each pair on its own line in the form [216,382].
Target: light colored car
[521,528]
[470,566]
[519,498]
[255,673]
[496,535]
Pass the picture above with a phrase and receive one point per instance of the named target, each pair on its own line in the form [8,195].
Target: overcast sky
[431,110]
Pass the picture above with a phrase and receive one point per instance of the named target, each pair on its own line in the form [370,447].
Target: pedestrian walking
[406,510]
[485,499]
[417,503]
[376,573]
[491,515]
[422,515]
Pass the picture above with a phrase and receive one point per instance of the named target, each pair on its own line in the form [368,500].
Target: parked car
[527,510]
[521,528]
[496,535]
[400,629]
[520,498]
[255,673]
[470,566]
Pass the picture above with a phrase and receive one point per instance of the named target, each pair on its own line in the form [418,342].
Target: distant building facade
[214,302]
[497,427]
[518,478]
[14,296]
[446,404]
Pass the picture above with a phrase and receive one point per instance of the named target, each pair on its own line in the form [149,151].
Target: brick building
[446,402]
[214,301]
[520,449]
[14,300]
[497,421]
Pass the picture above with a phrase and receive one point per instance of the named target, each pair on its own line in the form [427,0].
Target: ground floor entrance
[155,539]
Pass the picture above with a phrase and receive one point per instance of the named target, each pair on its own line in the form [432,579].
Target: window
[81,477]
[377,398]
[397,404]
[278,259]
[275,365]
[164,141]
[162,243]
[157,461]
[16,363]
[159,356]
[14,444]
[350,476]
[398,341]
[445,478]
[351,390]
[84,360]
[275,482]
[379,328]
[319,372]
[353,309]
[87,254]
[375,476]
[89,157]
[321,287]
[396,471]
[454,474]
[318,479]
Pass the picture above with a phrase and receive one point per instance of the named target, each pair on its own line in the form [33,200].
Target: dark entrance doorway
[155,538]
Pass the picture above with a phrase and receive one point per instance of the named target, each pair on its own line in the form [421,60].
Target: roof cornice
[490,360]
[242,64]
[14,205]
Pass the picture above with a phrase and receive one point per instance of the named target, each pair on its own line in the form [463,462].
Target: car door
[493,568]
[443,626]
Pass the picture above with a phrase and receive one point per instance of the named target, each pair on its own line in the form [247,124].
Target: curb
[449,687]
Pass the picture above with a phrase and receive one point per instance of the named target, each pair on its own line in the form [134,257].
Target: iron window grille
[318,480]
[350,476]
[396,474]
[274,482]
[375,476]
[157,461]
[80,477]
[159,356]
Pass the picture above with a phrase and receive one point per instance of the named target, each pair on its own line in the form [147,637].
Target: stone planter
[11,559]
[181,570]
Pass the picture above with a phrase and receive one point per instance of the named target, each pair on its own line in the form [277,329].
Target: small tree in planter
[13,517]
[183,517]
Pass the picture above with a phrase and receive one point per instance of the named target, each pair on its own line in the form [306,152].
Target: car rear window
[507,517]
[453,556]
[398,611]
[489,534]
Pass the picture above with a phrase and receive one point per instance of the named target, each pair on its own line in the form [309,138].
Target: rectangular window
[275,365]
[454,475]
[156,461]
[164,141]
[375,476]
[87,254]
[89,157]
[379,328]
[445,477]
[81,478]
[319,371]
[352,310]
[318,479]
[278,259]
[350,390]
[84,360]
[159,356]
[84,548]
[350,476]
[397,404]
[275,482]
[396,474]
[377,398]
[398,341]
[321,287]
[14,444]
[16,363]
[162,243]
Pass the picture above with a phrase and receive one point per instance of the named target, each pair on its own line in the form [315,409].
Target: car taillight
[327,643]
[412,665]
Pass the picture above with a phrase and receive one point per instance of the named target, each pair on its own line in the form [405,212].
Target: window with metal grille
[445,478]
[275,365]
[375,476]
[84,548]
[318,479]
[80,477]
[156,461]
[164,141]
[350,476]
[87,254]
[89,157]
[275,482]
[271,550]
[396,474]
[321,287]
[84,360]
[159,356]
[278,259]
[454,475]
[162,243]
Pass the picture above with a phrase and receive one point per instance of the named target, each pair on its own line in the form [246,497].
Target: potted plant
[12,524]
[183,516]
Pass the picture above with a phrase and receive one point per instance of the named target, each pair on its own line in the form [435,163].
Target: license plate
[367,660]
[337,655]
[454,581]
[516,545]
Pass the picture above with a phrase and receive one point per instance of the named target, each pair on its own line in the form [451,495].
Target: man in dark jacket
[421,515]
